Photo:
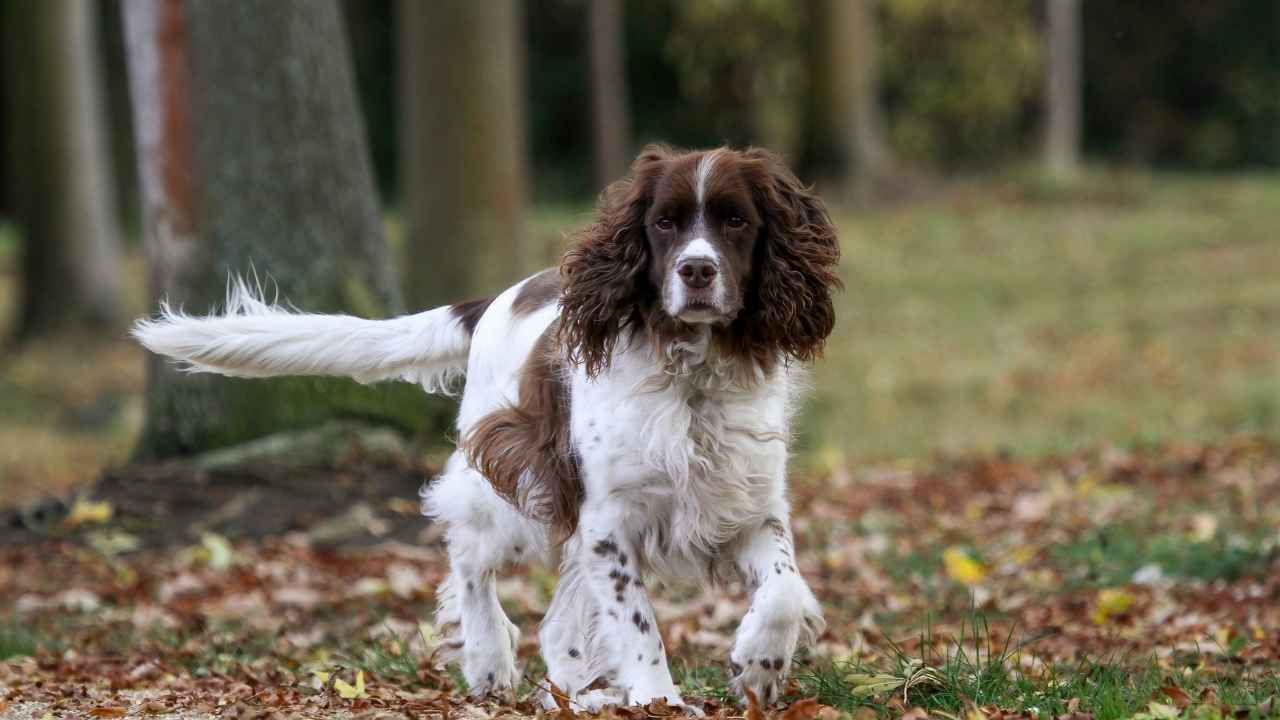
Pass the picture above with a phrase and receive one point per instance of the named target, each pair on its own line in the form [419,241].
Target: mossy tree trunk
[845,148]
[610,119]
[252,158]
[58,150]
[462,148]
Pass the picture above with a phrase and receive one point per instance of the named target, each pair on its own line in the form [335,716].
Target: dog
[625,416]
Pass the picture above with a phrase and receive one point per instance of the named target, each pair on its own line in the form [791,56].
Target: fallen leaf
[221,555]
[108,712]
[1177,696]
[87,512]
[805,709]
[351,692]
[1112,602]
[962,567]
[753,706]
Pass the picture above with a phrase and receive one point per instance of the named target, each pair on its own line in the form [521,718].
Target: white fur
[705,165]
[252,338]
[683,463]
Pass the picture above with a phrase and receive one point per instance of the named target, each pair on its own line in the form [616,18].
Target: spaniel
[625,416]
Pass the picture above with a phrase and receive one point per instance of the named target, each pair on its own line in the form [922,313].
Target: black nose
[697,273]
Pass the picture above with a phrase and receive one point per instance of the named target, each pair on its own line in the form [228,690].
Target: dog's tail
[254,338]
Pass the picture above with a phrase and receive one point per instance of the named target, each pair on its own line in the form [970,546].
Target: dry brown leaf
[1177,696]
[109,712]
[753,706]
[806,709]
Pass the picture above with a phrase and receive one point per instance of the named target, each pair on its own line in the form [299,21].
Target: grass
[979,669]
[1111,555]
[17,641]
[1001,318]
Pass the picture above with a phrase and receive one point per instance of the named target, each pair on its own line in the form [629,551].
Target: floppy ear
[789,308]
[604,271]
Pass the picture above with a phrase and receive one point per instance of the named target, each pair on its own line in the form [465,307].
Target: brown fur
[470,312]
[533,436]
[539,291]
[786,310]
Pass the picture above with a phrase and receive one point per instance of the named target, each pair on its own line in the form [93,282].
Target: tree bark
[1062,88]
[252,159]
[463,148]
[610,118]
[64,196]
[846,147]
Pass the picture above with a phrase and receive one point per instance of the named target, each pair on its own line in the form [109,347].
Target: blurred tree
[251,152]
[60,162]
[960,80]
[845,147]
[1194,84]
[1062,88]
[371,31]
[739,71]
[610,117]
[463,157]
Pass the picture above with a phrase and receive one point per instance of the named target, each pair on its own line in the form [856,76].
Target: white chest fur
[699,454]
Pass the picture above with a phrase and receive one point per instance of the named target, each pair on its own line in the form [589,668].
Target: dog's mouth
[700,312]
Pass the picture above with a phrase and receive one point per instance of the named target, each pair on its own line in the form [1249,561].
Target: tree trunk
[610,118]
[252,158]
[463,148]
[64,199]
[846,148]
[1062,88]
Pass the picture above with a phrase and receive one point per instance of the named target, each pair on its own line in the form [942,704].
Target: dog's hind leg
[484,534]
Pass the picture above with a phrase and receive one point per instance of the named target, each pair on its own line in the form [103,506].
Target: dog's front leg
[783,610]
[628,636]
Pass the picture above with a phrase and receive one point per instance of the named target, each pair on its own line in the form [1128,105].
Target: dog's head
[723,238]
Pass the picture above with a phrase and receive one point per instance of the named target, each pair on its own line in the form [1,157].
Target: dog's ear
[605,268]
[789,307]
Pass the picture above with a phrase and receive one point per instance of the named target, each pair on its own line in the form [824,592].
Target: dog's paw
[761,657]
[764,676]
[490,668]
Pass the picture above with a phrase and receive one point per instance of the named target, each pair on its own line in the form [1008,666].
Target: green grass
[1111,554]
[979,668]
[1010,318]
[17,641]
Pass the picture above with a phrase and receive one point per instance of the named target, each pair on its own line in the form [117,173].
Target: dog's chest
[697,461]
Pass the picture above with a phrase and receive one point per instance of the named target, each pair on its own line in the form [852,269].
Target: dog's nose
[697,273]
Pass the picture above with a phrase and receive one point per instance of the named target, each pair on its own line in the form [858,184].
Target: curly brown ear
[604,270]
[790,309]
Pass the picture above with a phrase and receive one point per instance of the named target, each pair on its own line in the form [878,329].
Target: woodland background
[1050,406]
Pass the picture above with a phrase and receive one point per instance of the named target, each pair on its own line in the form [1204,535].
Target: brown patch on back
[533,436]
[470,312]
[537,292]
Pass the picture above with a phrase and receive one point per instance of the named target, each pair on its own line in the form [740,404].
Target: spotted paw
[489,668]
[763,676]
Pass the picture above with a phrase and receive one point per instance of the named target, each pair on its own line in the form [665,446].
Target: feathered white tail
[253,338]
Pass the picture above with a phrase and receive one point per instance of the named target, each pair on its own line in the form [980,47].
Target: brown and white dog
[627,414]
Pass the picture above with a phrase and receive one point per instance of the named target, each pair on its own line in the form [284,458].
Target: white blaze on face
[697,248]
[705,164]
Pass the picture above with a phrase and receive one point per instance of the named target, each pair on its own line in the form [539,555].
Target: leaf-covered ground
[1106,584]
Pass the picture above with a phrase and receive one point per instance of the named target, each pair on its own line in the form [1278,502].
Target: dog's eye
[736,222]
[665,223]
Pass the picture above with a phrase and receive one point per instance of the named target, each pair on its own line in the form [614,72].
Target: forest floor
[1106,584]
[1039,477]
